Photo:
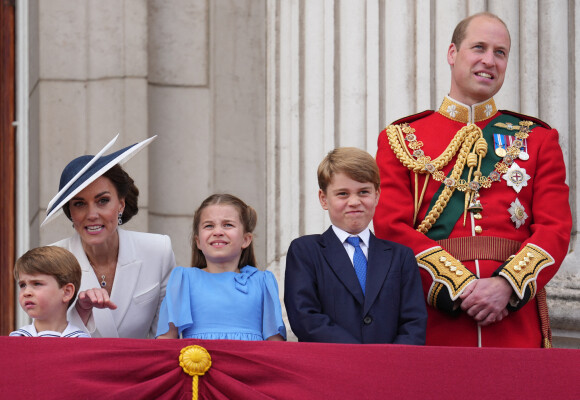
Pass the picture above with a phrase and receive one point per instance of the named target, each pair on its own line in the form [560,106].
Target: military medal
[408,150]
[521,144]
[516,177]
[500,145]
[517,213]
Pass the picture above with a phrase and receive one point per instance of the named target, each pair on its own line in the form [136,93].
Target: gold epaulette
[522,270]
[445,270]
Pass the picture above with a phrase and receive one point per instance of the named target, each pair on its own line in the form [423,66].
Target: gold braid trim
[397,142]
[444,269]
[436,288]
[464,140]
[474,133]
[524,267]
[544,319]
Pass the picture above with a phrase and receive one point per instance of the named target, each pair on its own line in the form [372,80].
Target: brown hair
[126,189]
[357,164]
[54,261]
[461,28]
[248,217]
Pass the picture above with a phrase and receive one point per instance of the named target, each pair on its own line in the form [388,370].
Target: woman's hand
[92,298]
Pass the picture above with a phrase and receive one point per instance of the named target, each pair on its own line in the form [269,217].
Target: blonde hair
[357,164]
[248,217]
[54,261]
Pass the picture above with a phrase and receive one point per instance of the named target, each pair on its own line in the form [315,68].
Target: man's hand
[485,300]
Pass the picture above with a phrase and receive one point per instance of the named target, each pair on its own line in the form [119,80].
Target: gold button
[478,229]
[477,216]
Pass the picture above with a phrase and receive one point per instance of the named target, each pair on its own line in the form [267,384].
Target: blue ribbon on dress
[241,279]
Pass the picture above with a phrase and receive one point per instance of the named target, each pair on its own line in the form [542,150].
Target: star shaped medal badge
[516,177]
[517,212]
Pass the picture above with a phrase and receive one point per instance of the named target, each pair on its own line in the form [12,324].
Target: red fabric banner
[49,368]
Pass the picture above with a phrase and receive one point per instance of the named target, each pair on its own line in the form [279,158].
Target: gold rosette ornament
[195,361]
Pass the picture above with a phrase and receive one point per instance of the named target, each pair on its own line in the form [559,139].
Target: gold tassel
[471,162]
[195,361]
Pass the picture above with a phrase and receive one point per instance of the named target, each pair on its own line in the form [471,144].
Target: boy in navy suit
[347,286]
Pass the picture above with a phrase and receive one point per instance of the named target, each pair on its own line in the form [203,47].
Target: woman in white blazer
[125,273]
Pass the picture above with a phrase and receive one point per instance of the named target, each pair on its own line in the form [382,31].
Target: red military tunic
[521,233]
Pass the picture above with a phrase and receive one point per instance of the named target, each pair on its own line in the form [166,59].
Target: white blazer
[144,263]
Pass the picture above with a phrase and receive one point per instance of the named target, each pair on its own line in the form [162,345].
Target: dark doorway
[7,165]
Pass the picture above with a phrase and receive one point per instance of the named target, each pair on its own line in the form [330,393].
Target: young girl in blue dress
[224,295]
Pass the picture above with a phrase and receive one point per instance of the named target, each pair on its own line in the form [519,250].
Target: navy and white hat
[84,170]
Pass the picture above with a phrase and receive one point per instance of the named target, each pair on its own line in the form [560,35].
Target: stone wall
[248,95]
[193,73]
[348,68]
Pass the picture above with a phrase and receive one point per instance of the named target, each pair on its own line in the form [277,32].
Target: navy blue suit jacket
[325,302]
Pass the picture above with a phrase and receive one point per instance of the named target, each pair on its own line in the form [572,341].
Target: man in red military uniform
[480,196]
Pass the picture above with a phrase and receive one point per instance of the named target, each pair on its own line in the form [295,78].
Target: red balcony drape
[32,368]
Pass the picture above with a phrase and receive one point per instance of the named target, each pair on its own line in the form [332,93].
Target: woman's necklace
[108,269]
[103,274]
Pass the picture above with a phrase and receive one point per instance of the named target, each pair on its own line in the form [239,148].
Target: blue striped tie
[359,260]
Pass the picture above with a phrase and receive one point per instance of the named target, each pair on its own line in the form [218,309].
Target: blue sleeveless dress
[226,305]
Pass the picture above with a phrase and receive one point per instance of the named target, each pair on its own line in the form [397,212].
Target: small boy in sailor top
[48,279]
